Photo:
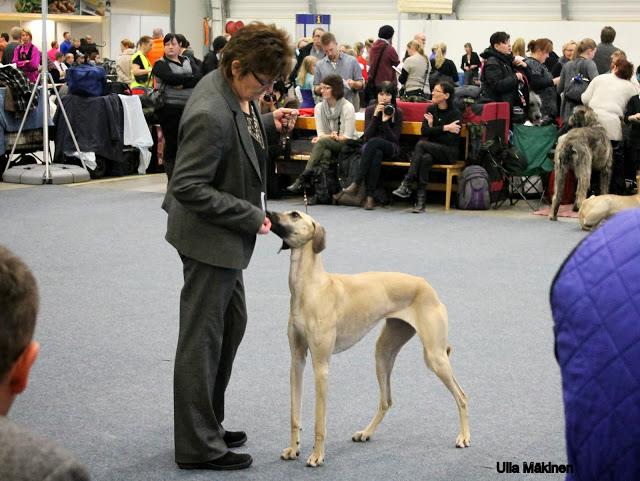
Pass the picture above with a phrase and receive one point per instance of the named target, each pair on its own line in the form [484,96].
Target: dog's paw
[290,453]
[463,441]
[315,460]
[361,437]
[553,217]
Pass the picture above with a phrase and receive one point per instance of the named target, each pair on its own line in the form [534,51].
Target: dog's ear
[319,243]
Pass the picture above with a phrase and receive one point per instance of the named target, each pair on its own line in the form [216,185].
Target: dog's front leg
[299,350]
[320,358]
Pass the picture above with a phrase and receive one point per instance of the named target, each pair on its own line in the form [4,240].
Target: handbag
[370,87]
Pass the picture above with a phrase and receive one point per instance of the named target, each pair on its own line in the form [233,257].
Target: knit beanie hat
[386,32]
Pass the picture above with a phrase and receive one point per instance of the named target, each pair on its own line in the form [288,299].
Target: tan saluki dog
[329,313]
[597,209]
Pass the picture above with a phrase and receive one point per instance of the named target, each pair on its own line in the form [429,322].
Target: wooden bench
[408,128]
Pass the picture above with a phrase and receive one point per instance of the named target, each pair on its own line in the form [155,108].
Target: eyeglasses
[434,91]
[263,83]
[325,87]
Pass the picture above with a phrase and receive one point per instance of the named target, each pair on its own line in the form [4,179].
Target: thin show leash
[285,139]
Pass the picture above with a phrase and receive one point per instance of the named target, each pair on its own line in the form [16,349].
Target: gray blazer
[215,196]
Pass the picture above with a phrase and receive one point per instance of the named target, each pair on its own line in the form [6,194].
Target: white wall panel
[596,10]
[508,10]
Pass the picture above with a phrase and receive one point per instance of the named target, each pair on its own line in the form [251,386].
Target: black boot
[298,186]
[421,200]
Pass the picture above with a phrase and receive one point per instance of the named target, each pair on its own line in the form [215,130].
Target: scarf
[327,119]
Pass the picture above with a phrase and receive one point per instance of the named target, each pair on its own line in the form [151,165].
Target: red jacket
[385,71]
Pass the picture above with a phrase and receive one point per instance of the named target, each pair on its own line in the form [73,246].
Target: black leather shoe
[234,439]
[228,462]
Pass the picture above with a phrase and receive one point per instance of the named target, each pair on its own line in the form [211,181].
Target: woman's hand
[453,127]
[378,110]
[429,118]
[265,227]
[285,119]
[315,140]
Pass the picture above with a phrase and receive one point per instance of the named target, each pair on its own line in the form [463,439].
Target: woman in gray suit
[216,205]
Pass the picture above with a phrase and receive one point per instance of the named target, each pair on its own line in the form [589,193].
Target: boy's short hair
[18,308]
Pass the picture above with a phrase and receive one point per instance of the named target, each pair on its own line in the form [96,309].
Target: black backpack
[324,181]
[348,162]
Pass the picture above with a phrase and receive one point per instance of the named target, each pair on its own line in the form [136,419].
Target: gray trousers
[213,317]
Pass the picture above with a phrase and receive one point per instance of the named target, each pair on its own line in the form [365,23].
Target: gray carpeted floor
[108,325]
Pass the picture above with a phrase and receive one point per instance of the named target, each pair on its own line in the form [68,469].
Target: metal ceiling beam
[313,8]
[564,9]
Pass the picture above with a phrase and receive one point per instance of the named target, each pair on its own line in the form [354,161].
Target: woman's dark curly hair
[260,48]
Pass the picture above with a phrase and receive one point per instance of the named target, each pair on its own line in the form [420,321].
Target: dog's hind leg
[582,161]
[299,349]
[393,336]
[436,355]
[558,184]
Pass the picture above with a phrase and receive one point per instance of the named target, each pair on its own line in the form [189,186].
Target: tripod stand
[52,174]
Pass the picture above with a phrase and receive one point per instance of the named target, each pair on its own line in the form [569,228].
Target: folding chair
[533,143]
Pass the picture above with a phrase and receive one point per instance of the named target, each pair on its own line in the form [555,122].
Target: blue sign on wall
[312,19]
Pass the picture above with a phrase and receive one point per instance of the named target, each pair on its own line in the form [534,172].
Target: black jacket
[210,62]
[475,60]
[448,68]
[498,78]
[435,133]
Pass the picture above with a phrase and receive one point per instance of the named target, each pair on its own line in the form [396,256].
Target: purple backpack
[473,189]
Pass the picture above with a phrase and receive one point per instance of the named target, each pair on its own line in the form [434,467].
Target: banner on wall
[306,22]
[444,7]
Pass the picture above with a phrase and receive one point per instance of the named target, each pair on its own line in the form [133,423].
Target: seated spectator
[568,50]
[604,49]
[69,60]
[441,129]
[583,65]
[94,58]
[335,123]
[382,141]
[58,68]
[499,79]
[540,79]
[415,72]
[123,62]
[212,58]
[176,78]
[24,456]
[305,81]
[442,68]
[80,59]
[26,56]
[470,65]
[608,95]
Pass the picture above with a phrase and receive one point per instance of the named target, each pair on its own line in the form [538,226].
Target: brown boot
[352,189]
[369,203]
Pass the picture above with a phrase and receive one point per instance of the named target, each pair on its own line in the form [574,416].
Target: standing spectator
[66,44]
[176,77]
[415,72]
[24,456]
[632,116]
[212,59]
[358,48]
[518,47]
[305,81]
[335,124]
[540,79]
[26,56]
[157,46]
[123,62]
[383,49]
[368,43]
[605,48]
[302,42]
[314,48]
[499,79]
[187,51]
[382,141]
[216,206]
[582,64]
[568,51]
[442,68]
[51,53]
[470,65]
[7,55]
[141,66]
[338,63]
[88,46]
[441,129]
[608,95]
[4,40]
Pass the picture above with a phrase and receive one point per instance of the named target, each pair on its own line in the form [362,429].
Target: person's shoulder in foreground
[24,456]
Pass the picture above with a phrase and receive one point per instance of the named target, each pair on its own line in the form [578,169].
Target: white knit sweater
[608,95]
